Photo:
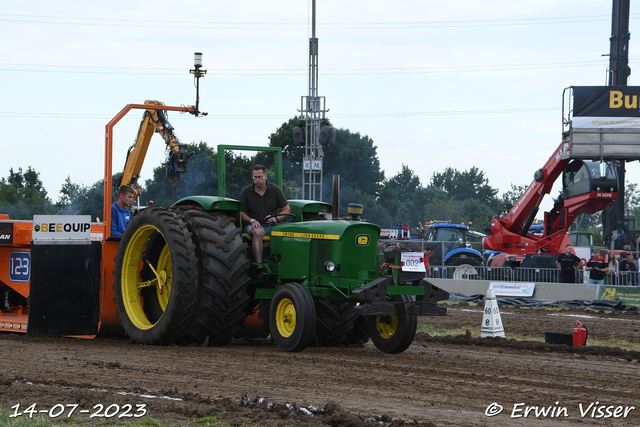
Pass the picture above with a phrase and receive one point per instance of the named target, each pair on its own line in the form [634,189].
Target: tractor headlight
[329,266]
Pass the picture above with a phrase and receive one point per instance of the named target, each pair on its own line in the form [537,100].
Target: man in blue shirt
[120,215]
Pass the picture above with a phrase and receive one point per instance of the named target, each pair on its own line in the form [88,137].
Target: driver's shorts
[265,229]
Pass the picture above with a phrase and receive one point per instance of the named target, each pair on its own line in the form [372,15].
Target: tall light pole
[312,113]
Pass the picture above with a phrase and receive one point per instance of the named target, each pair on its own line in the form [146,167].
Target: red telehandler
[588,186]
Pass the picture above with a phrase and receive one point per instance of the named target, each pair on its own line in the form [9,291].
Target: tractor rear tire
[292,317]
[394,334]
[222,272]
[175,283]
[338,324]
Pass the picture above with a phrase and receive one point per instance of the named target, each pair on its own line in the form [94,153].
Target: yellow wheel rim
[165,271]
[131,283]
[387,325]
[286,317]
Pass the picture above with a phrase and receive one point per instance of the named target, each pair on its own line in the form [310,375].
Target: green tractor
[185,274]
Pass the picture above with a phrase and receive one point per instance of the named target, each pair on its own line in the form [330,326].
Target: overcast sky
[435,84]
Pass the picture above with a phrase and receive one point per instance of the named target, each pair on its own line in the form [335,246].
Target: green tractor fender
[214,203]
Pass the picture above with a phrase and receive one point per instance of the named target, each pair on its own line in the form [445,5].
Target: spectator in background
[597,268]
[628,271]
[613,268]
[568,263]
[427,253]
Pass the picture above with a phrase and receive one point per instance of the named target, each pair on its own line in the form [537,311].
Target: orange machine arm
[136,155]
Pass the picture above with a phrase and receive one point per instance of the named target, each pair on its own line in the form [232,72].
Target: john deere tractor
[185,274]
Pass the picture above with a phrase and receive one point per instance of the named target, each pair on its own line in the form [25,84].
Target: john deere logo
[362,240]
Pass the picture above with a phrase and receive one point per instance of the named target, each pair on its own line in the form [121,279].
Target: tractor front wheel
[394,334]
[292,317]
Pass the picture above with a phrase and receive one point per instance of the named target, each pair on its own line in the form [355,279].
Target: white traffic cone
[491,321]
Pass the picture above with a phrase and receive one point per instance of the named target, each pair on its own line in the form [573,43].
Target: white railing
[501,274]
[540,275]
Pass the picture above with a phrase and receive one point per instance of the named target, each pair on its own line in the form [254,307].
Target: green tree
[353,157]
[632,201]
[510,197]
[92,201]
[201,177]
[464,185]
[70,194]
[403,197]
[83,200]
[22,195]
[465,196]
[292,155]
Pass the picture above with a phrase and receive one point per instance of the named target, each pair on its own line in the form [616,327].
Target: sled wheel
[174,279]
[292,317]
[222,271]
[394,334]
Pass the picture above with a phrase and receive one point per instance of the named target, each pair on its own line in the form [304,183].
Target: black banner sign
[6,233]
[606,101]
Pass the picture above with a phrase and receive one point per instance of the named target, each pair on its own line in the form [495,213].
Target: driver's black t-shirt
[259,207]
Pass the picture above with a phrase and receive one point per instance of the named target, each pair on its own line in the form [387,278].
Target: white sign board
[412,261]
[521,289]
[61,228]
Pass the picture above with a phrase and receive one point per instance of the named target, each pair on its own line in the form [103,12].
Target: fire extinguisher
[580,334]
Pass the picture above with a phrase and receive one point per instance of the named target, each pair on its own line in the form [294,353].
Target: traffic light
[327,135]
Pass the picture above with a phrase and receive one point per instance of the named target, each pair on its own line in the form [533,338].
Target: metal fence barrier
[540,275]
[502,274]
[623,279]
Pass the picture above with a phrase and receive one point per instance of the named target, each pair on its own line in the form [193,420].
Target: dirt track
[442,381]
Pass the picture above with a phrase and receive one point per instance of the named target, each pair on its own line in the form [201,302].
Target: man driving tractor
[261,201]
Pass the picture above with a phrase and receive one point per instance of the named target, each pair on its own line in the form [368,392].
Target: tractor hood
[325,230]
[305,247]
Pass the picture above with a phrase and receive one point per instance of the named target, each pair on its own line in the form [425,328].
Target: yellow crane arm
[154,121]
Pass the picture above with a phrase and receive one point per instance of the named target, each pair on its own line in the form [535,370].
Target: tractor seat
[247,236]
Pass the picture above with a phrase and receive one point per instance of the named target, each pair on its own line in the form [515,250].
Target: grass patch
[439,332]
[213,421]
[615,342]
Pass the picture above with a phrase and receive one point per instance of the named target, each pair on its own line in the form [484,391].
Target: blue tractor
[453,249]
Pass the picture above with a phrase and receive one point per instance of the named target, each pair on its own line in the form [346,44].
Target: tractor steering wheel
[289,218]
